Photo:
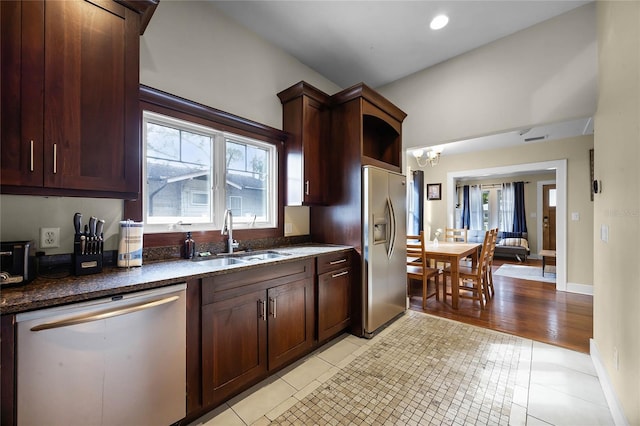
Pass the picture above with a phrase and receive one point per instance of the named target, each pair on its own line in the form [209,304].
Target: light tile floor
[553,386]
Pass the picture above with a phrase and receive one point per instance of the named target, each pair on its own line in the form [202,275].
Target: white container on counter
[130,247]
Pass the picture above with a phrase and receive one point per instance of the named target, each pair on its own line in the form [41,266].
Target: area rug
[523,272]
[424,370]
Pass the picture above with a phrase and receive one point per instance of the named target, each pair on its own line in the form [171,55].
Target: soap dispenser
[189,247]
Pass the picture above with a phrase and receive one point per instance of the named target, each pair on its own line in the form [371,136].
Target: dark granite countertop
[49,292]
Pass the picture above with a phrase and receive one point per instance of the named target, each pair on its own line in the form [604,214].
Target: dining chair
[417,268]
[489,290]
[456,235]
[472,279]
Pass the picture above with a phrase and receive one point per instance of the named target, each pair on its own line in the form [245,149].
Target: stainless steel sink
[224,259]
[261,256]
[221,261]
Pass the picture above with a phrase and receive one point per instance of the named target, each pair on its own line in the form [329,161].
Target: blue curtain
[519,214]
[466,211]
[416,215]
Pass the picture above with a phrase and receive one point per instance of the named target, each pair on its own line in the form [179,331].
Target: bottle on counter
[189,250]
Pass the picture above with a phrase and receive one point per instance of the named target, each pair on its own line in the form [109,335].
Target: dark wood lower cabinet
[334,302]
[290,321]
[8,369]
[234,337]
[254,322]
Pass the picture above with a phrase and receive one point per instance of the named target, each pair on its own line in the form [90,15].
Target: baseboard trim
[580,288]
[609,392]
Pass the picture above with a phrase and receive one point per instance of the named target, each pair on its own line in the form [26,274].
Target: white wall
[192,50]
[546,73]
[616,310]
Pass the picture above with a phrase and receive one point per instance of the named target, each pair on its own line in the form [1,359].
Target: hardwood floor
[530,309]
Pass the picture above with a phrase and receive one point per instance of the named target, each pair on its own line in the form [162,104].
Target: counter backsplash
[58,264]
[154,254]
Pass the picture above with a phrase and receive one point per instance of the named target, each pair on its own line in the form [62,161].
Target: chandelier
[430,156]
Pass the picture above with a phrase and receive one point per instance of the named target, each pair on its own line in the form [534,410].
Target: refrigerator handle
[392,225]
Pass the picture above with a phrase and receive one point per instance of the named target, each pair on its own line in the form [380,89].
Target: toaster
[17,266]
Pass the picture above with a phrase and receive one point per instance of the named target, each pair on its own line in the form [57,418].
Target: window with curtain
[476,207]
[506,207]
[416,203]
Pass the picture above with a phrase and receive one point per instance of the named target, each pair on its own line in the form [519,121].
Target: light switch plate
[575,216]
[604,233]
[288,228]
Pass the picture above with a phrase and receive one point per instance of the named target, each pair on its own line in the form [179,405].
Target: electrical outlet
[49,237]
[288,228]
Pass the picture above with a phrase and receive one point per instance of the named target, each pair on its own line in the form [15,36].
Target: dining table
[452,253]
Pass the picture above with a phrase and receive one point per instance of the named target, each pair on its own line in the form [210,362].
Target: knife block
[86,264]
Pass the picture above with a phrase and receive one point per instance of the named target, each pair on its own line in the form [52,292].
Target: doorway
[560,166]
[549,202]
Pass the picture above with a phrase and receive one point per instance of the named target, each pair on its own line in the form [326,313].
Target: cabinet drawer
[333,261]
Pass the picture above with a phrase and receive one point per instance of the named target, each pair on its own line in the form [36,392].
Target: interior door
[549,217]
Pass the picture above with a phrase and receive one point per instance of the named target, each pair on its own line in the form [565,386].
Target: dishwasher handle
[104,314]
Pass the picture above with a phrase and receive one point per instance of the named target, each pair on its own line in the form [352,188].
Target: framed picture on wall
[434,191]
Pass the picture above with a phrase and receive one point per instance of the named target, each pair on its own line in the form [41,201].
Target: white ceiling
[549,132]
[377,42]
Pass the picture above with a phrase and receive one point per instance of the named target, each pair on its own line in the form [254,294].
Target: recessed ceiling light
[439,22]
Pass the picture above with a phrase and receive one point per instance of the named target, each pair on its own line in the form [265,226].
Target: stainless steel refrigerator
[384,247]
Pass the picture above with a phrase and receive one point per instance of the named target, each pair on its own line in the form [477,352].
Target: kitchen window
[193,173]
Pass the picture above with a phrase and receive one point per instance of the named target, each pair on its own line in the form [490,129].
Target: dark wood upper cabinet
[70,120]
[306,117]
[366,129]
[378,121]
[329,134]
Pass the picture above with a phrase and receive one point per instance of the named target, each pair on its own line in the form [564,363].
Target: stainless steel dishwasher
[114,361]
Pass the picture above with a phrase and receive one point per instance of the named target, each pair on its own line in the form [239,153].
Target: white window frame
[218,177]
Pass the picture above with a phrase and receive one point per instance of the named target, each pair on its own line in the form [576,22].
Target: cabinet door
[290,321]
[22,47]
[90,96]
[334,299]
[314,126]
[307,120]
[234,345]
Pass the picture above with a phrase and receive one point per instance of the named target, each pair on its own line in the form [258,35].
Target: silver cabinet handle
[274,305]
[339,274]
[337,262]
[107,313]
[31,155]
[55,158]
[306,187]
[262,309]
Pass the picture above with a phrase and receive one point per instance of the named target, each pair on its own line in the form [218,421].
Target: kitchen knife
[92,234]
[77,222]
[83,239]
[99,229]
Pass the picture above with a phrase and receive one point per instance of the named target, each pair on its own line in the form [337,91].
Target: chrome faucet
[227,229]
